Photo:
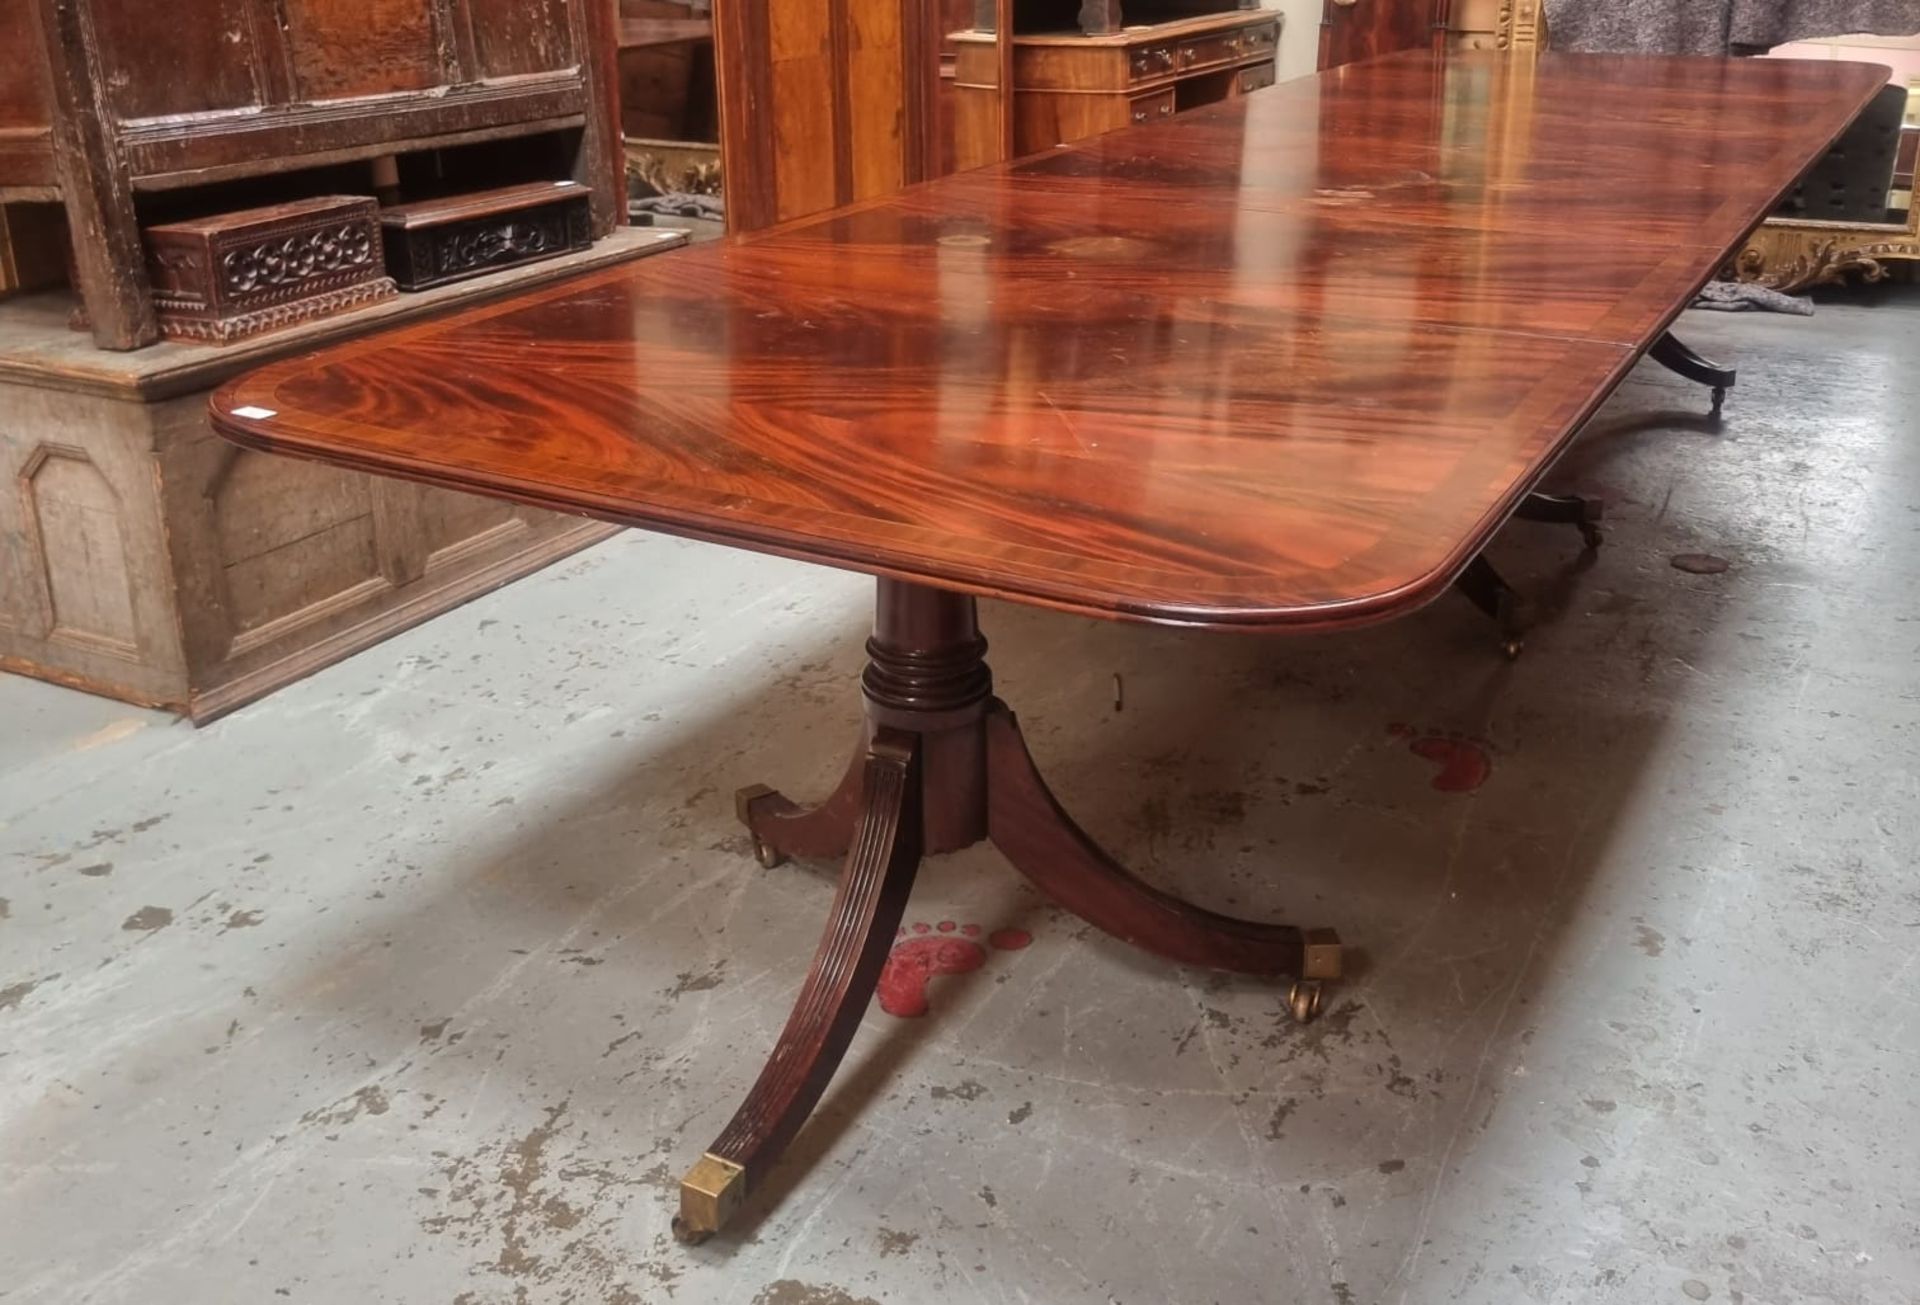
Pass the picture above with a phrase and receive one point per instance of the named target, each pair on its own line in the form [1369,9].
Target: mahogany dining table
[1282,364]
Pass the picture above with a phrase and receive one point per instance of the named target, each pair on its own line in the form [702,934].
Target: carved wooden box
[227,277]
[435,241]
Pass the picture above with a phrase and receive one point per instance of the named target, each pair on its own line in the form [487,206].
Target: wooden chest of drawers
[1067,85]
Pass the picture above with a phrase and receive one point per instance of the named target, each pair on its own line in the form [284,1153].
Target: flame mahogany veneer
[1286,363]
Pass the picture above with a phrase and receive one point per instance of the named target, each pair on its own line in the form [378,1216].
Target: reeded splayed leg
[867,909]
[1676,357]
[1028,825]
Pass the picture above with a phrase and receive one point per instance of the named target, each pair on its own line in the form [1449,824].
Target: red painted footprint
[927,950]
[1463,762]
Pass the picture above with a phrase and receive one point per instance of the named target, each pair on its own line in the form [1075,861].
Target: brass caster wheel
[687,1235]
[1590,535]
[1303,1002]
[1719,400]
[710,1195]
[1512,648]
[764,852]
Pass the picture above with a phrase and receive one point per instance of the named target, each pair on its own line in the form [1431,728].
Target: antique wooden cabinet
[1352,30]
[1097,17]
[1067,85]
[104,103]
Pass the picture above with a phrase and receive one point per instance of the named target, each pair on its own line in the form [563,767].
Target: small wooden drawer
[1255,78]
[1207,52]
[1150,108]
[1264,39]
[1224,48]
[1146,63]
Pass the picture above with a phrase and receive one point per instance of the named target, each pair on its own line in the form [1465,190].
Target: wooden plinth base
[944,767]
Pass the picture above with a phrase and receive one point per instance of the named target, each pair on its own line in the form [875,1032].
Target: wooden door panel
[522,36]
[186,56]
[289,539]
[877,91]
[343,48]
[805,153]
[1367,29]
[822,102]
[26,100]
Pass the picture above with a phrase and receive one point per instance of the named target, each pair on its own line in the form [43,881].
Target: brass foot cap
[1321,958]
[709,1195]
[764,852]
[744,799]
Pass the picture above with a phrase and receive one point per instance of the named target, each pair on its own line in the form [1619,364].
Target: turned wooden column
[927,674]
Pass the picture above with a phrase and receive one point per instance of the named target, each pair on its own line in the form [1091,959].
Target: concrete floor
[423,980]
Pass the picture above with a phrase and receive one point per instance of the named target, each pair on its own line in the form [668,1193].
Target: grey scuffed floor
[423,980]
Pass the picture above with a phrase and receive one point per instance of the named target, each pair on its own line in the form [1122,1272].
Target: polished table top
[1287,361]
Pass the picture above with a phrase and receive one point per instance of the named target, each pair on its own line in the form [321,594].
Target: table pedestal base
[944,767]
[1488,590]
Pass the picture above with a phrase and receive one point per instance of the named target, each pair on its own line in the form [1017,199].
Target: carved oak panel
[174,58]
[512,37]
[76,534]
[290,536]
[361,47]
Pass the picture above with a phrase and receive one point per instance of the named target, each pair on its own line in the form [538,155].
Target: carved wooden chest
[435,241]
[227,277]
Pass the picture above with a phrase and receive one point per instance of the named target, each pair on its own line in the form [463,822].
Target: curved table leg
[1488,590]
[1030,828]
[1565,510]
[866,911]
[782,828]
[1676,357]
